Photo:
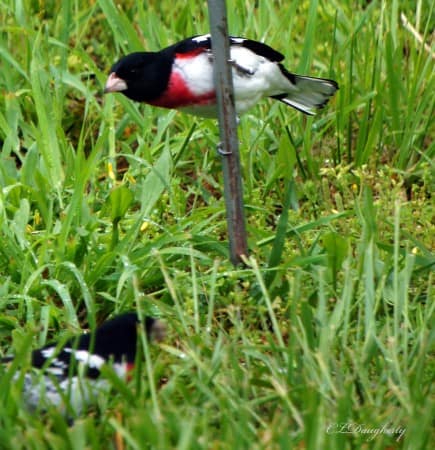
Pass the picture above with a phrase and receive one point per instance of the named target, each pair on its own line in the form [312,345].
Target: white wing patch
[93,361]
[237,40]
[58,371]
[202,38]
[48,352]
[206,37]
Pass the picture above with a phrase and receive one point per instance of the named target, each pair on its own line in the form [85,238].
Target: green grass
[107,206]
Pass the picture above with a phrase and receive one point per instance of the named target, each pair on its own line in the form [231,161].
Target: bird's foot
[221,151]
[242,70]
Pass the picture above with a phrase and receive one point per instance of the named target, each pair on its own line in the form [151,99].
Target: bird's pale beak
[158,331]
[115,84]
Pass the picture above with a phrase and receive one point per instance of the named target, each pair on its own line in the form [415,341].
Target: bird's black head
[117,338]
[141,76]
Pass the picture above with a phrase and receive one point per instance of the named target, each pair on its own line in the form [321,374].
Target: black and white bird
[68,375]
[181,77]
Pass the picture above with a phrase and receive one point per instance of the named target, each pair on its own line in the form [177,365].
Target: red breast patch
[178,94]
[129,370]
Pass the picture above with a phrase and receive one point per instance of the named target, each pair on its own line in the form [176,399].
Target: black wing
[204,41]
[262,49]
[61,361]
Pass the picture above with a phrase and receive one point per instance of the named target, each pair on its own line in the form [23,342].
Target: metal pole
[228,131]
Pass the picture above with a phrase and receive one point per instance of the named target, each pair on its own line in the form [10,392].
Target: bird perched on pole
[68,375]
[181,77]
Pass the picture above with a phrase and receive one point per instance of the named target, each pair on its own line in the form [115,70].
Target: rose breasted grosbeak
[181,77]
[67,375]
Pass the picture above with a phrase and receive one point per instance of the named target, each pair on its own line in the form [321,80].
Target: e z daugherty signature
[371,432]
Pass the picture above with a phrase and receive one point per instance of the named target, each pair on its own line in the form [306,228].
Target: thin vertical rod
[228,131]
